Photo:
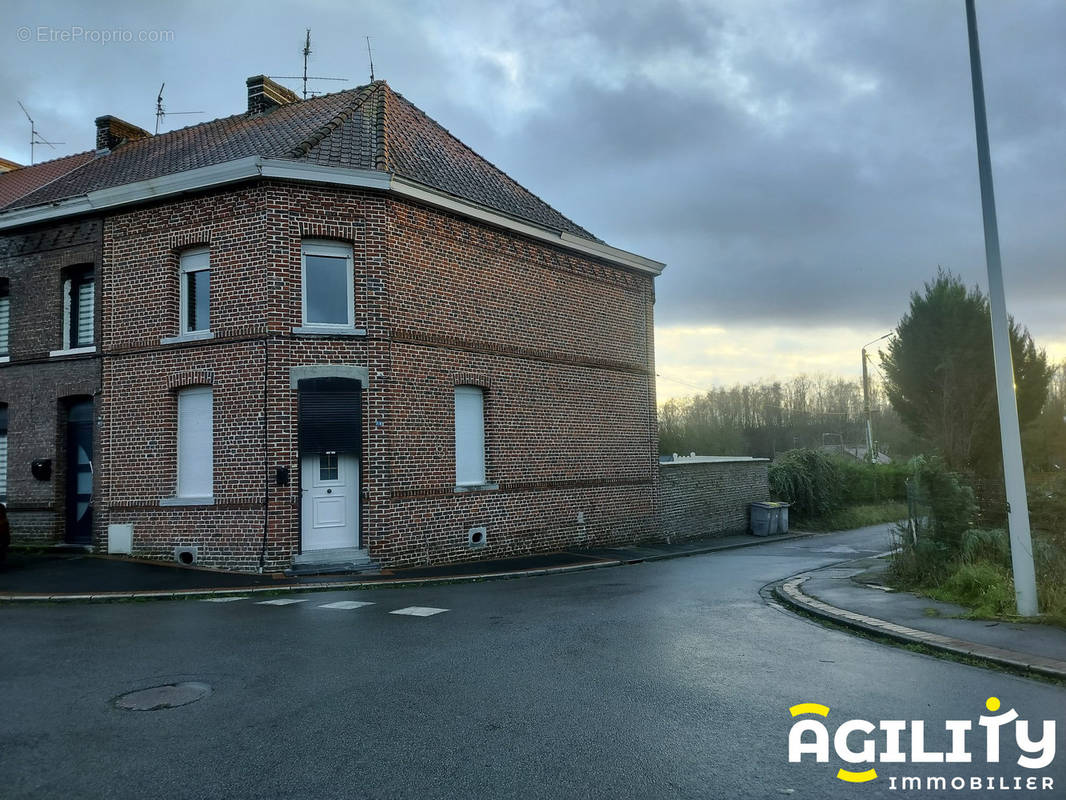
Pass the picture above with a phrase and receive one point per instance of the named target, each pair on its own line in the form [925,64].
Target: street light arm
[879,338]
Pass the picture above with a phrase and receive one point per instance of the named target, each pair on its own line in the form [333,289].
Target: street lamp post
[1021,547]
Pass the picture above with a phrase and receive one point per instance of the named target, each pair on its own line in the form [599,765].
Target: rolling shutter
[5,318]
[331,416]
[196,442]
[469,435]
[3,454]
[85,313]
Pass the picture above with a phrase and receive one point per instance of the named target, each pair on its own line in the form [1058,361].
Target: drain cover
[170,695]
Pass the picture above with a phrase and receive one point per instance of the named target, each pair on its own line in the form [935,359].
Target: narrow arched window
[469,436]
[196,442]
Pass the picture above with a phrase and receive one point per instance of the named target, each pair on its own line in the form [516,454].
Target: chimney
[266,95]
[112,131]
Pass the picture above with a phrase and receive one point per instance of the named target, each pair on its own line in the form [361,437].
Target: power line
[683,383]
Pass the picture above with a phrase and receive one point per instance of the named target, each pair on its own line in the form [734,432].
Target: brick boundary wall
[710,497]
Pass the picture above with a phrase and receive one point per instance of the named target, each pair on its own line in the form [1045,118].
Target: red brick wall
[141,376]
[562,344]
[707,498]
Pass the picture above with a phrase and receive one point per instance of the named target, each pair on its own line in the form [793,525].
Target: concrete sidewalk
[854,595]
[55,576]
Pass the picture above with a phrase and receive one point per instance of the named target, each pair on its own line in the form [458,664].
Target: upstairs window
[195,291]
[5,318]
[327,279]
[469,436]
[79,309]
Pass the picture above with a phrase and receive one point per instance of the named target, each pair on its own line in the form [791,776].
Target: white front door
[330,486]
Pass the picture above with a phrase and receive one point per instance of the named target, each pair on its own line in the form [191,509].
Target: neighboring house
[49,363]
[320,330]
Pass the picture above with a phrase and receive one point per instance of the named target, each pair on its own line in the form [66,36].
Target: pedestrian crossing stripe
[419,611]
[341,605]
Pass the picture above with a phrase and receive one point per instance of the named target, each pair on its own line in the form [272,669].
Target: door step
[345,560]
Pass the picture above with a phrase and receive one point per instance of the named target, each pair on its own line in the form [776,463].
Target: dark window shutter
[331,416]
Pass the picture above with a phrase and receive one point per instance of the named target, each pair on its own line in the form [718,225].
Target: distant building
[316,331]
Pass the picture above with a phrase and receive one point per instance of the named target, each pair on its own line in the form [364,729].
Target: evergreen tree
[940,374]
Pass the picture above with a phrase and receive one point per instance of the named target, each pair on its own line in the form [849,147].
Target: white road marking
[346,604]
[419,611]
[221,599]
[284,601]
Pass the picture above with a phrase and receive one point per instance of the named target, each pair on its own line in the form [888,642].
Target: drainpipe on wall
[266,454]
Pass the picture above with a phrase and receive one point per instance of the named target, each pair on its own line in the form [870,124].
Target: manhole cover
[170,695]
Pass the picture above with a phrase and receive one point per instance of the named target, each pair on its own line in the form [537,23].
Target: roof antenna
[307,53]
[370,55]
[305,77]
[35,137]
[160,110]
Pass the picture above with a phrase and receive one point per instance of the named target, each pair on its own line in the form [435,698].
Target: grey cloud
[796,162]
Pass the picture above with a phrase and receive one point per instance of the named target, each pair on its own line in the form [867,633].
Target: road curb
[790,591]
[193,594]
[173,594]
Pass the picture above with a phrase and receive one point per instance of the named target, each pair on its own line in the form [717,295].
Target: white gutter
[253,167]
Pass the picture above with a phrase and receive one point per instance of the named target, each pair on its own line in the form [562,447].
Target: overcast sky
[800,166]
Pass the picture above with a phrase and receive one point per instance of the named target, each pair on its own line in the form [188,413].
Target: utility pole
[866,398]
[1021,546]
[866,409]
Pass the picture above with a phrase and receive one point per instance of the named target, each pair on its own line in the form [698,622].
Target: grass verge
[978,575]
[856,516]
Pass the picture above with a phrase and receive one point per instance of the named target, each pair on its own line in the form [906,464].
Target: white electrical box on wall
[120,539]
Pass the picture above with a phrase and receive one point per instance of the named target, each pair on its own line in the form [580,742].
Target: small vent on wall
[185,555]
[477,538]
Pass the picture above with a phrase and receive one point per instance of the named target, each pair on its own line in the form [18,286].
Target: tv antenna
[370,55]
[161,112]
[305,76]
[35,137]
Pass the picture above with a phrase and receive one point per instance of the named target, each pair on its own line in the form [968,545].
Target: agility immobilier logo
[862,745]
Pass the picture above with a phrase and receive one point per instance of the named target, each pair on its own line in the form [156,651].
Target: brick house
[48,378]
[324,331]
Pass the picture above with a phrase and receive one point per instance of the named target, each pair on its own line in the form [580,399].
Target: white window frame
[332,250]
[195,450]
[469,436]
[198,260]
[70,323]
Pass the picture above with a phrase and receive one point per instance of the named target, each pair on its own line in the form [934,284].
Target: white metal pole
[1021,547]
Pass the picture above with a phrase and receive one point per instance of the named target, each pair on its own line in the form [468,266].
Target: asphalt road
[657,680]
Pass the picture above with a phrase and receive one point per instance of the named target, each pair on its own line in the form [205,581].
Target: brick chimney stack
[266,95]
[112,131]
